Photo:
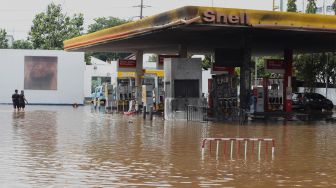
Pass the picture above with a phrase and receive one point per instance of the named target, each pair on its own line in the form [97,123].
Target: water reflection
[66,147]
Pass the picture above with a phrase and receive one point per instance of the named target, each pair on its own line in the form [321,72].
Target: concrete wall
[70,73]
[331,93]
[180,69]
[206,75]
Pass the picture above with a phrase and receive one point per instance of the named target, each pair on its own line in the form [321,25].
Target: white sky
[16,15]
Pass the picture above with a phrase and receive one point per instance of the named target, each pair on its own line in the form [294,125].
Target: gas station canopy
[203,29]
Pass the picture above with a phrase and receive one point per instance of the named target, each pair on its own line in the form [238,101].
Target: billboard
[40,73]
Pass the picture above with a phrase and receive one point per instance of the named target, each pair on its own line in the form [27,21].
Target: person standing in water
[22,101]
[15,99]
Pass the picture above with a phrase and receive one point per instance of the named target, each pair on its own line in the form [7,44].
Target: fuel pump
[125,92]
[147,96]
[110,96]
[260,104]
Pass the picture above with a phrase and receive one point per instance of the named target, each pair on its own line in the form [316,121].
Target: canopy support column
[138,76]
[245,78]
[288,57]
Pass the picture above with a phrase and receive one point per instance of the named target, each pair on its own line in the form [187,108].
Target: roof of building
[195,18]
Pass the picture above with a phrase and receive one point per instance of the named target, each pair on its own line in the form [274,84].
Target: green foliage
[87,58]
[316,68]
[52,27]
[260,62]
[206,63]
[291,6]
[102,23]
[311,7]
[334,6]
[3,40]
[306,66]
[22,44]
[153,58]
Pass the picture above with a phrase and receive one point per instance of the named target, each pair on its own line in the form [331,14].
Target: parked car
[311,101]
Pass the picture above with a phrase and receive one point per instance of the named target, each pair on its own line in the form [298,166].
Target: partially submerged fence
[237,141]
[231,114]
[197,113]
[204,114]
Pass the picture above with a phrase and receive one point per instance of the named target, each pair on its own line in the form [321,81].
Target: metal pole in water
[245,148]
[259,149]
[217,149]
[231,149]
[202,153]
[203,146]
[187,113]
[144,112]
[151,113]
[273,148]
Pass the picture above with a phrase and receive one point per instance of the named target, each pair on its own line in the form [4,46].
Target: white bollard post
[217,149]
[259,149]
[202,153]
[273,152]
[231,148]
[245,148]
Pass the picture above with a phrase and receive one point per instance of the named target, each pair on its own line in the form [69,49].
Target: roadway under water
[59,146]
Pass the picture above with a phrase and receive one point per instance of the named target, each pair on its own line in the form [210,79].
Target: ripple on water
[61,147]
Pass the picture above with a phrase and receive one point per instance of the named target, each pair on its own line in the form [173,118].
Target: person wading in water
[22,101]
[15,99]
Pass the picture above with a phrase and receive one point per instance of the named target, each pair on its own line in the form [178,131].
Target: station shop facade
[232,36]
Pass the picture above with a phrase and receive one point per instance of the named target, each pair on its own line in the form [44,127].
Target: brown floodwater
[59,146]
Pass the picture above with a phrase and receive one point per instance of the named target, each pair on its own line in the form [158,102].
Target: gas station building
[232,36]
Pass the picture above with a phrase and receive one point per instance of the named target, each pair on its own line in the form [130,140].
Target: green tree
[103,23]
[3,40]
[334,7]
[311,7]
[206,62]
[22,44]
[291,6]
[153,58]
[52,27]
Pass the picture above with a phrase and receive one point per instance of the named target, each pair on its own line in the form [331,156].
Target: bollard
[151,113]
[203,146]
[144,112]
[217,149]
[231,149]
[259,149]
[273,147]
[245,153]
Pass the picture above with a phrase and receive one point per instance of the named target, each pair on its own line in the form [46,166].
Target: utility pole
[281,5]
[275,7]
[141,6]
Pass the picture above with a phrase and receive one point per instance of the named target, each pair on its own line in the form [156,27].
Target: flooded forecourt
[60,146]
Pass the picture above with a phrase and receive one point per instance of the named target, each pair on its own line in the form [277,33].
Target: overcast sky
[16,15]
